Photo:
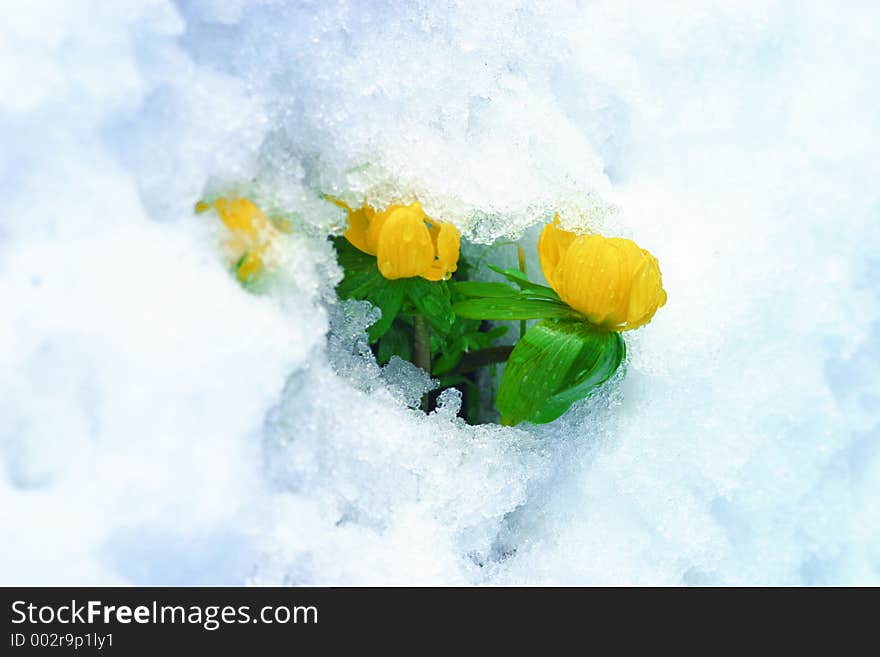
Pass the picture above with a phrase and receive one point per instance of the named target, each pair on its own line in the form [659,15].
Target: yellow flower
[251,233]
[405,241]
[610,280]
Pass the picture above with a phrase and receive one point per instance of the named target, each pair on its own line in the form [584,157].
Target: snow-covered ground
[160,425]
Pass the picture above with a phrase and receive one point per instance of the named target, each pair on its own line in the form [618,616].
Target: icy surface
[158,424]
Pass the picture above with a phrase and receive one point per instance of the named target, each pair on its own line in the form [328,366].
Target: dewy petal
[589,276]
[611,281]
[647,293]
[615,285]
[404,245]
[251,233]
[377,222]
[630,257]
[434,273]
[447,247]
[552,245]
[240,215]
[358,233]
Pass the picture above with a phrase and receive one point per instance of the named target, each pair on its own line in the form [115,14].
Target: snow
[160,425]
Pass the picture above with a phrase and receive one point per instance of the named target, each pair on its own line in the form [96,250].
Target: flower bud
[610,280]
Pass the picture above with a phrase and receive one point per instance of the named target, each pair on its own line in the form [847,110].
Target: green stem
[422,349]
[522,268]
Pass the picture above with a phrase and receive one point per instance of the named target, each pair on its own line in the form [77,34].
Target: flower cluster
[250,234]
[405,241]
[403,261]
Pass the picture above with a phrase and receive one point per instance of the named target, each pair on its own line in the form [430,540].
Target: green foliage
[397,341]
[362,280]
[518,278]
[432,300]
[556,363]
[361,273]
[465,336]
[501,302]
[471,289]
[389,299]
[513,308]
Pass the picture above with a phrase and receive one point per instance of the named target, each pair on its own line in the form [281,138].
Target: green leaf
[496,333]
[556,363]
[512,309]
[482,289]
[388,297]
[519,278]
[431,299]
[361,277]
[482,339]
[397,341]
[362,280]
[449,358]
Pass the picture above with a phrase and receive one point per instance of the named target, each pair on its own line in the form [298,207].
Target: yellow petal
[590,278]
[358,232]
[250,234]
[647,293]
[376,223]
[552,245]
[447,247]
[630,257]
[611,281]
[240,215]
[404,245]
[359,221]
